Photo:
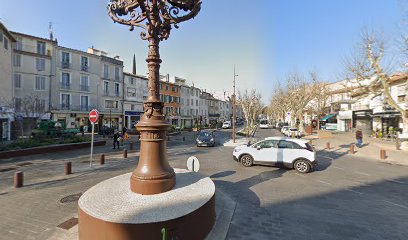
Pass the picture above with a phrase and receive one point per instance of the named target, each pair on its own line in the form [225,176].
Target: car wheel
[247,160]
[302,166]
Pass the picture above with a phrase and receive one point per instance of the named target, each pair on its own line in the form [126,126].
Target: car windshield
[264,122]
[293,129]
[204,134]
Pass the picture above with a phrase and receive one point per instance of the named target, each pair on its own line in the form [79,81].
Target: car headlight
[212,140]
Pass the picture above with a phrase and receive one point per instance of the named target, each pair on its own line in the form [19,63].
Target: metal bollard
[124,153]
[131,146]
[68,168]
[18,179]
[351,148]
[382,154]
[102,159]
[327,145]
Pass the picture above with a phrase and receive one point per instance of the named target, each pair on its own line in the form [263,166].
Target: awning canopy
[327,117]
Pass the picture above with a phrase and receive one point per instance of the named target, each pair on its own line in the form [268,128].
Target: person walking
[116,140]
[81,129]
[359,137]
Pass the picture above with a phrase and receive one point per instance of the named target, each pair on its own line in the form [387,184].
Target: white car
[226,124]
[292,132]
[279,152]
[263,124]
[284,129]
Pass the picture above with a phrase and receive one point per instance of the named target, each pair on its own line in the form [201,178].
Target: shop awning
[327,117]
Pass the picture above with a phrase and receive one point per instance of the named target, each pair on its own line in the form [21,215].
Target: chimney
[167,77]
[134,64]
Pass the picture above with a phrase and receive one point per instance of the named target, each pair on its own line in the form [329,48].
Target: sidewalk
[340,142]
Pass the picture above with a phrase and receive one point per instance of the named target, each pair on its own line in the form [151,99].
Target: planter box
[48,149]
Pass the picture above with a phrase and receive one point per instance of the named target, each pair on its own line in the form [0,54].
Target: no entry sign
[93,116]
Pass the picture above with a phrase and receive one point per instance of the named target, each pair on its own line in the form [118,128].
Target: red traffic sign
[93,116]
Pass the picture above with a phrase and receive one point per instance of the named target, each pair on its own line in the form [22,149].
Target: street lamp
[153,174]
[234,110]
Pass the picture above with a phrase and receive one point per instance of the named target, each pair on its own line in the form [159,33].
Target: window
[174,88]
[17,80]
[65,101]
[84,103]
[131,92]
[65,81]
[39,83]
[5,43]
[105,71]
[40,64]
[161,86]
[106,88]
[117,75]
[401,99]
[132,81]
[188,102]
[18,104]
[19,44]
[17,60]
[196,102]
[41,48]
[192,102]
[167,87]
[111,104]
[268,144]
[287,144]
[84,83]
[84,63]
[65,57]
[117,91]
[39,105]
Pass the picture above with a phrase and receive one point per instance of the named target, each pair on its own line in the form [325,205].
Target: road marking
[339,168]
[395,204]
[362,173]
[327,183]
[396,181]
[350,190]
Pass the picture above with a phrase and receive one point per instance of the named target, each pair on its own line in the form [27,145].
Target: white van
[263,124]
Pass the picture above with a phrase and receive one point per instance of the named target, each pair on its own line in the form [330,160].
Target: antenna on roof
[50,31]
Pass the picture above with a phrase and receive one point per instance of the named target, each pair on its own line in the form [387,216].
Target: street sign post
[93,118]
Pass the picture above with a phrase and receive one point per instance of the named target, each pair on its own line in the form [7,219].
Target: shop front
[388,123]
[362,119]
[132,118]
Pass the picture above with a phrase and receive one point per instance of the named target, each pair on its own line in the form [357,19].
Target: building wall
[171,106]
[135,93]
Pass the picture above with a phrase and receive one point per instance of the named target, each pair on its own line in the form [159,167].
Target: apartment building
[170,95]
[7,41]
[203,108]
[189,103]
[135,93]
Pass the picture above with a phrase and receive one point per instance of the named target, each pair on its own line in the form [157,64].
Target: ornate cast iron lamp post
[153,174]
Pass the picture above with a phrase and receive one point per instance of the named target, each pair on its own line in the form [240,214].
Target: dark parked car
[205,138]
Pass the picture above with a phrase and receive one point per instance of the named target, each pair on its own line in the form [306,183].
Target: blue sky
[266,39]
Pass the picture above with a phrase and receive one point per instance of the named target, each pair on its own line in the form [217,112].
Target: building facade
[170,95]
[7,41]
[135,93]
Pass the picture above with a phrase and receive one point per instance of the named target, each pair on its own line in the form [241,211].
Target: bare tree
[372,76]
[250,103]
[319,101]
[278,106]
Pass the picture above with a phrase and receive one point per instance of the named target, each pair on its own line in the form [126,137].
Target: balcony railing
[84,68]
[65,64]
[66,86]
[85,108]
[106,93]
[85,88]
[65,106]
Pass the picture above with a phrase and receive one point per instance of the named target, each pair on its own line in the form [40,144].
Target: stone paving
[347,197]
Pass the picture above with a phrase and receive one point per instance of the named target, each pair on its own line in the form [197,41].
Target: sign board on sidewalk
[93,116]
[193,164]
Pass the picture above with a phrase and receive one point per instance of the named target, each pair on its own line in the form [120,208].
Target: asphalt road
[345,198]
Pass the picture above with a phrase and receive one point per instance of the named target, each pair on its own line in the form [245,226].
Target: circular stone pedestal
[110,210]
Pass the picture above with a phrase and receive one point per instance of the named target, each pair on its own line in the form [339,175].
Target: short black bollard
[102,159]
[18,179]
[68,168]
[124,153]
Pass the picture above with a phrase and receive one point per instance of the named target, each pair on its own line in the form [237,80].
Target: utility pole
[234,110]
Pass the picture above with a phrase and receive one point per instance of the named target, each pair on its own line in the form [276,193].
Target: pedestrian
[116,140]
[359,137]
[81,129]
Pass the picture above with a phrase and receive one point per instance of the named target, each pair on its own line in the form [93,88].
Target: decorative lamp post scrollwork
[153,174]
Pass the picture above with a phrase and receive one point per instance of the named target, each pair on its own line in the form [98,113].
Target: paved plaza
[347,197]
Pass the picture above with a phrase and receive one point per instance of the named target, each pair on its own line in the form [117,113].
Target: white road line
[339,168]
[396,181]
[396,204]
[327,183]
[350,190]
[362,173]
